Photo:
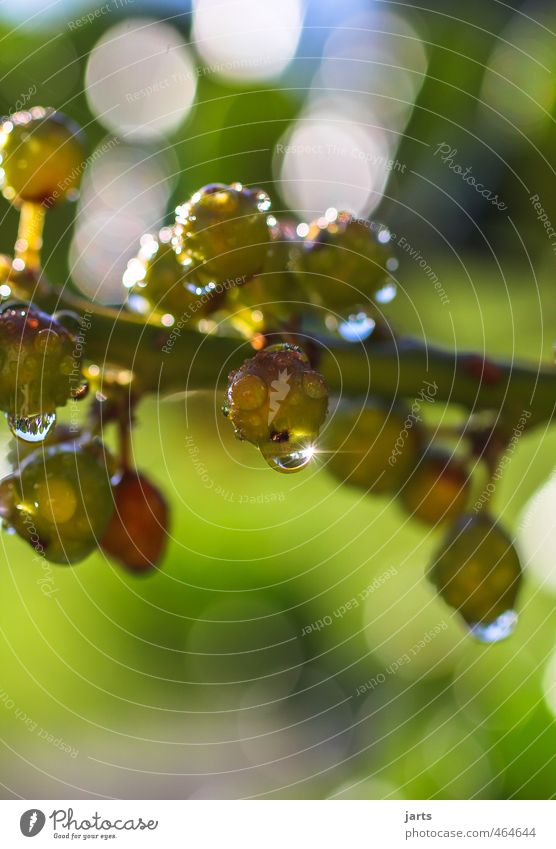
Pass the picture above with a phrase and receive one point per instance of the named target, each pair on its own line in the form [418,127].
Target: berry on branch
[346,261]
[278,402]
[270,298]
[40,369]
[160,284]
[42,156]
[375,447]
[137,534]
[222,233]
[438,488]
[477,572]
[59,500]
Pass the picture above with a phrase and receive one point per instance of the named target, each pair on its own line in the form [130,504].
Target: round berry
[40,369]
[375,447]
[59,500]
[271,296]
[222,233]
[137,534]
[278,402]
[158,283]
[42,157]
[438,488]
[345,261]
[477,569]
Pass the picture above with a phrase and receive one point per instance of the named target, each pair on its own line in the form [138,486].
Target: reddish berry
[136,537]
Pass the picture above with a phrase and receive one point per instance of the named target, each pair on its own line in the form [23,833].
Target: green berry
[40,369]
[222,233]
[277,401]
[59,500]
[271,296]
[160,284]
[477,570]
[438,488]
[42,157]
[344,262]
[375,447]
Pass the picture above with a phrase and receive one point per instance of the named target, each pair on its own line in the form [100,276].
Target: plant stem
[171,360]
[29,235]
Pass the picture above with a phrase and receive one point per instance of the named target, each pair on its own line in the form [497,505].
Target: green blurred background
[210,679]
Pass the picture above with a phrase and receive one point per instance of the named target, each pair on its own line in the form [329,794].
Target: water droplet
[288,457]
[32,428]
[386,293]
[356,327]
[493,632]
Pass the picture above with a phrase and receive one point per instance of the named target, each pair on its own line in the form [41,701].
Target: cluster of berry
[386,451]
[65,496]
[225,257]
[228,262]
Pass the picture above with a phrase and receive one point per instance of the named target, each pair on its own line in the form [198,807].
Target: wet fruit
[40,369]
[59,500]
[374,447]
[160,284]
[477,572]
[221,233]
[277,401]
[346,261]
[270,297]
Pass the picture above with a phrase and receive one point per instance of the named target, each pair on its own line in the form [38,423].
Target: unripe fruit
[42,157]
[438,488]
[374,447]
[278,402]
[40,369]
[136,536]
[477,570]
[163,285]
[272,295]
[345,262]
[222,233]
[59,500]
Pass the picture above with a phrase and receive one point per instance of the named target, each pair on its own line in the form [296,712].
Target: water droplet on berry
[32,428]
[356,327]
[386,293]
[502,627]
[293,458]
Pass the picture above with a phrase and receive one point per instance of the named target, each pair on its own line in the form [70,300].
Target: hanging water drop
[386,293]
[31,428]
[356,327]
[288,457]
[501,628]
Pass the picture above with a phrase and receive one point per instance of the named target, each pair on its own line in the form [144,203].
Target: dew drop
[386,293]
[292,458]
[502,627]
[32,428]
[356,327]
